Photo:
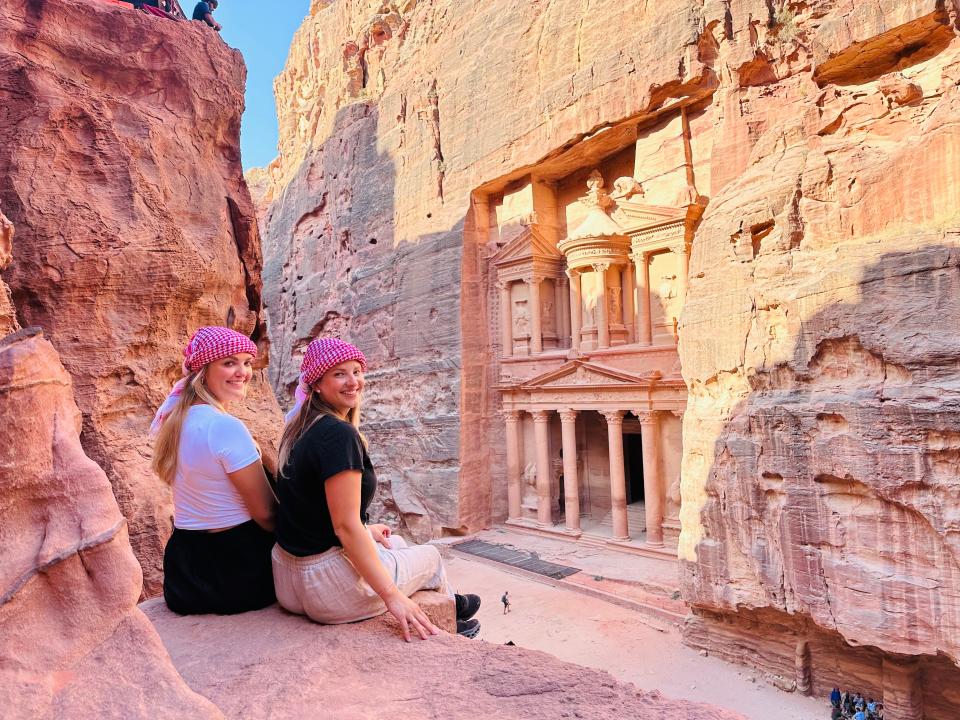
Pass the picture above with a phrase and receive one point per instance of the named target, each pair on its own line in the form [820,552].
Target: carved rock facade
[119,168]
[422,166]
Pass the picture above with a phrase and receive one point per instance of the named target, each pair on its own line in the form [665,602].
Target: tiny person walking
[506,602]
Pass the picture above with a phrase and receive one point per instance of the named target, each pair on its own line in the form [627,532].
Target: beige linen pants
[327,589]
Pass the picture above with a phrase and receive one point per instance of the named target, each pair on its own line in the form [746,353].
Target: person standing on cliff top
[328,563]
[203,11]
[506,602]
[218,558]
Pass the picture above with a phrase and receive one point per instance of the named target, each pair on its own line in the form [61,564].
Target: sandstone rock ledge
[270,664]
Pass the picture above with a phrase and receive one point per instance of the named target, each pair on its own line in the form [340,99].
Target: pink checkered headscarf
[322,354]
[207,344]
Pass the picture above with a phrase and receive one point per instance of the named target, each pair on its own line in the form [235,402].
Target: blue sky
[262,31]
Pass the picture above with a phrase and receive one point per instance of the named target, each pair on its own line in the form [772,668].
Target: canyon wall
[817,339]
[819,345]
[120,168]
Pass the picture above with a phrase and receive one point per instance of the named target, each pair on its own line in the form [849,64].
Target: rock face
[73,643]
[8,314]
[817,340]
[119,167]
[247,664]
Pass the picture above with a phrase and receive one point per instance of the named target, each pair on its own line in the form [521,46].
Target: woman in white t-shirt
[218,558]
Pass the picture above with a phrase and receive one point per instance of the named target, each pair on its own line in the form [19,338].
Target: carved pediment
[634,216]
[579,373]
[527,246]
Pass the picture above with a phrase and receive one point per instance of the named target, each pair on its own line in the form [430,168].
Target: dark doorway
[633,466]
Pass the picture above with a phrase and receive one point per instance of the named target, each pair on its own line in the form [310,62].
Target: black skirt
[222,572]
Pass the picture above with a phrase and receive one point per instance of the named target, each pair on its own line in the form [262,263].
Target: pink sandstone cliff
[73,643]
[8,315]
[120,169]
[818,341]
[820,346]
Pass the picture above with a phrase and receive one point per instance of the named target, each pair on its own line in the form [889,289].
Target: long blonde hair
[167,445]
[312,410]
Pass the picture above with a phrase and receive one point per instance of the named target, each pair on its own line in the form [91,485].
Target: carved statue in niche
[615,304]
[672,509]
[625,188]
[521,320]
[667,288]
[530,484]
[547,308]
[596,194]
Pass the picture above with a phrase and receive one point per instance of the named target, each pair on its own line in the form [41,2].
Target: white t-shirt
[212,444]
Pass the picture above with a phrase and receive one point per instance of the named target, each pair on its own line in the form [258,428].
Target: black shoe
[467,606]
[468,628]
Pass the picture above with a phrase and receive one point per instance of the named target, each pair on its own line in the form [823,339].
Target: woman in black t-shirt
[327,564]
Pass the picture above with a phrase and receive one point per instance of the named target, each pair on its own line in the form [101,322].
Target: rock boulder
[73,643]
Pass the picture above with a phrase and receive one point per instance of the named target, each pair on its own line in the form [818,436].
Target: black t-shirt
[329,447]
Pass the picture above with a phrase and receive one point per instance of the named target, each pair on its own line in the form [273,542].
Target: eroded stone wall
[119,166]
[818,342]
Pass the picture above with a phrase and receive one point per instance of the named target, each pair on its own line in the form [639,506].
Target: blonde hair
[312,410]
[167,445]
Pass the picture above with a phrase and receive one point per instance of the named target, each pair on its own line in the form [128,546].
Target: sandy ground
[599,634]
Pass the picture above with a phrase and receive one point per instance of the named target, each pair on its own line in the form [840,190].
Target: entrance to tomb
[633,467]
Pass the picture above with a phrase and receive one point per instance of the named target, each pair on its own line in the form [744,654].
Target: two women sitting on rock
[327,563]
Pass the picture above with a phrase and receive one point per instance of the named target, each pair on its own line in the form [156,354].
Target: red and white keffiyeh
[322,354]
[207,344]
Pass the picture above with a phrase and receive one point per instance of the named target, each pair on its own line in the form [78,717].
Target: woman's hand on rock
[410,616]
[381,534]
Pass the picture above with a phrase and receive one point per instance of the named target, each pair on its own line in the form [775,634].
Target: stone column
[576,310]
[629,314]
[541,439]
[618,483]
[644,330]
[603,315]
[514,482]
[536,330]
[571,483]
[506,319]
[652,487]
[562,314]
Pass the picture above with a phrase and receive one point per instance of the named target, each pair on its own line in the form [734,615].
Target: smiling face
[341,386]
[227,378]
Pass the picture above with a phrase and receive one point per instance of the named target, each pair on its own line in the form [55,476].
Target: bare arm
[253,487]
[343,500]
[211,22]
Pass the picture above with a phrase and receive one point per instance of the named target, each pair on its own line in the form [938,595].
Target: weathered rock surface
[819,344]
[120,169]
[250,664]
[8,314]
[73,643]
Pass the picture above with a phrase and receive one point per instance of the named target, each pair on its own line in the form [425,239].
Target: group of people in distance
[853,706]
[239,542]
[202,11]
